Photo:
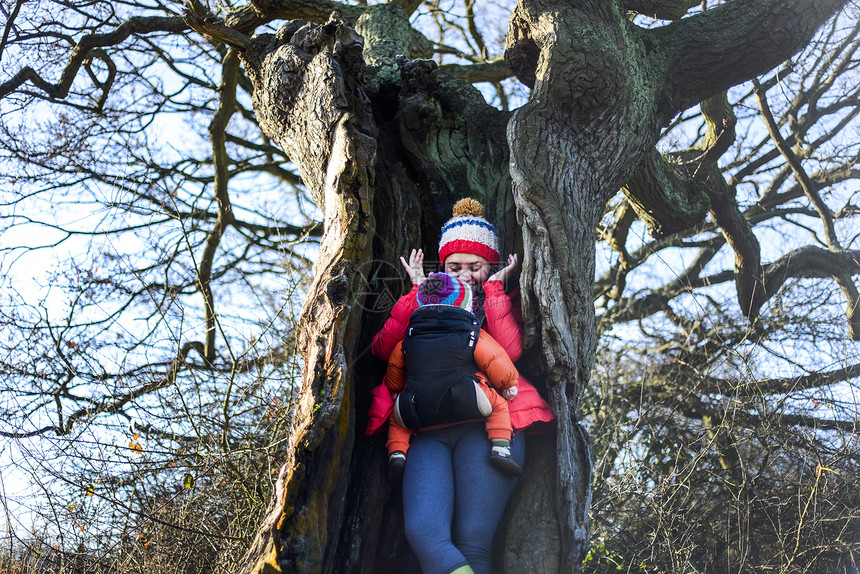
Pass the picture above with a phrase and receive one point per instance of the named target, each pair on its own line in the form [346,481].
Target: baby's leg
[499,430]
[499,422]
[398,446]
[398,437]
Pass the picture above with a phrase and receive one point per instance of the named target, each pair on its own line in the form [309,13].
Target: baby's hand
[506,271]
[510,393]
[415,266]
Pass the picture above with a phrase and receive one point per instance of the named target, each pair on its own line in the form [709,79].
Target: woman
[453,498]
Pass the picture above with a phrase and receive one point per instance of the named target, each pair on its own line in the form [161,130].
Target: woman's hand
[415,266]
[510,393]
[506,271]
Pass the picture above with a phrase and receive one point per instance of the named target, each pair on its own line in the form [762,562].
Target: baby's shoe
[500,457]
[396,464]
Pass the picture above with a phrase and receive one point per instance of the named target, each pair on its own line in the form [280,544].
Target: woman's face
[468,268]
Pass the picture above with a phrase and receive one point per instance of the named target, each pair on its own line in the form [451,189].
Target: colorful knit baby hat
[469,232]
[444,289]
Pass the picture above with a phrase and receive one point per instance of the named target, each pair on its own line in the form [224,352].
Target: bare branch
[756,388]
[213,28]
[806,262]
[473,28]
[81,52]
[494,70]
[664,199]
[811,381]
[408,6]
[812,261]
[801,175]
[217,131]
[10,22]
[118,403]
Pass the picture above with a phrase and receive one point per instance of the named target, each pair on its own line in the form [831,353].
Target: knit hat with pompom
[445,289]
[469,232]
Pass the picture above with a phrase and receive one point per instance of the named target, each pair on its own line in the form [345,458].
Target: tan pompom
[468,206]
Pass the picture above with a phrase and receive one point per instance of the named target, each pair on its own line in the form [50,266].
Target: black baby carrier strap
[439,350]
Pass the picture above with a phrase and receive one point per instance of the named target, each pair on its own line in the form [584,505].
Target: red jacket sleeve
[504,323]
[395,326]
[492,360]
[504,320]
[382,397]
[381,407]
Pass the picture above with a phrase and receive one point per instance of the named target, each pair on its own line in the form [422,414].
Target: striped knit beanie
[469,232]
[444,289]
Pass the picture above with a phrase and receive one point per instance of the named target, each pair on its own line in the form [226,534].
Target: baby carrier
[439,352]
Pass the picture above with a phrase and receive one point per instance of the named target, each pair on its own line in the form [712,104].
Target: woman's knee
[420,531]
[433,547]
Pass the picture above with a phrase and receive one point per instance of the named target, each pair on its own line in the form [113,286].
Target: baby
[442,371]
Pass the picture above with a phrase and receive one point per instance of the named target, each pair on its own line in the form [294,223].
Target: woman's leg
[481,494]
[428,502]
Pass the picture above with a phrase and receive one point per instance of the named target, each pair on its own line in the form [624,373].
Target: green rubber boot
[463,570]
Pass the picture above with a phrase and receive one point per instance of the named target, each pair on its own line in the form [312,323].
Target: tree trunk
[435,140]
[318,114]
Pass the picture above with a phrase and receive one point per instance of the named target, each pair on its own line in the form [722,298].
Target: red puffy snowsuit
[504,324]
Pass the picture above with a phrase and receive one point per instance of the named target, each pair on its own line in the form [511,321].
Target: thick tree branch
[259,12]
[664,199]
[521,50]
[213,28]
[737,231]
[804,421]
[491,71]
[751,389]
[816,262]
[408,6]
[720,119]
[734,42]
[661,9]
[806,262]
[739,418]
[811,381]
[852,302]
[387,33]
[670,197]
